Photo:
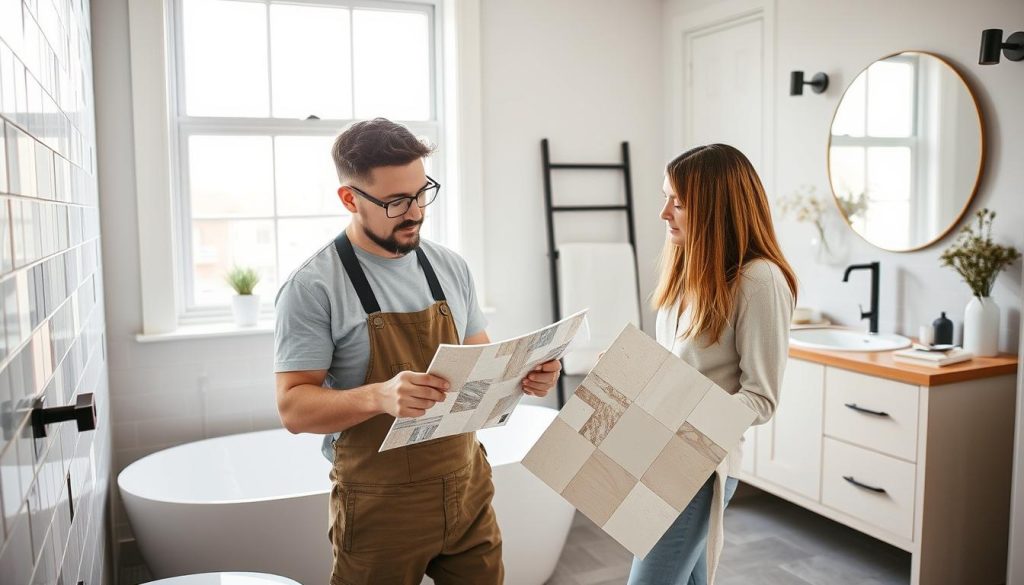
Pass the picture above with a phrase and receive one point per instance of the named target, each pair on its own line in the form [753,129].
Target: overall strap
[362,285]
[428,270]
[356,274]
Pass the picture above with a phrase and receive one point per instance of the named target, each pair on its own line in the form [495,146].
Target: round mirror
[906,151]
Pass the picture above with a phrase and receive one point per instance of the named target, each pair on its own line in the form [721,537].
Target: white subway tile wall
[53,489]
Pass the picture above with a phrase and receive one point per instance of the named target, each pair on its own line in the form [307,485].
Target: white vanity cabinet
[787,450]
[918,457]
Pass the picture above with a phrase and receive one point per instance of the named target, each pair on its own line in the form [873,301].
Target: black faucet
[872,315]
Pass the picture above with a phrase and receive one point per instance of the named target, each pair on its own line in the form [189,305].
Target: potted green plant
[978,260]
[244,305]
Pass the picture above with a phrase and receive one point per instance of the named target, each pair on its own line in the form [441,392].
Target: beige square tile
[576,412]
[722,417]
[599,488]
[456,367]
[558,455]
[641,520]
[678,472]
[631,361]
[673,392]
[635,441]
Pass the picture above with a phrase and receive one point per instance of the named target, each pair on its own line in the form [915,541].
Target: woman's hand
[542,379]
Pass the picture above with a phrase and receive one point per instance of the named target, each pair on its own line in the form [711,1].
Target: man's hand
[410,394]
[542,379]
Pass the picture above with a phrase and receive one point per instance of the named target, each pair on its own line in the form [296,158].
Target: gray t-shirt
[321,325]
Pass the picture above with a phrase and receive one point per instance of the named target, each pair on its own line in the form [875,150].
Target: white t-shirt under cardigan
[747,361]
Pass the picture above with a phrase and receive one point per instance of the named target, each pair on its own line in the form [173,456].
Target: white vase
[828,244]
[246,309]
[981,327]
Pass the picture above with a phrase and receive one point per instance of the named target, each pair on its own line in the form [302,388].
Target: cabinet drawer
[872,412]
[875,488]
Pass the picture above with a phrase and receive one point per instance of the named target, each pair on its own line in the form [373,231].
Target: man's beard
[391,243]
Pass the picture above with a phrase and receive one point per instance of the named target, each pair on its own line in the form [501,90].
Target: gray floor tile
[768,541]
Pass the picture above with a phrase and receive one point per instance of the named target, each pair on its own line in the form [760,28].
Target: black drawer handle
[853,406]
[877,490]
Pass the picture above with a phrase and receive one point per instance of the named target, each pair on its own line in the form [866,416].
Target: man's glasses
[399,206]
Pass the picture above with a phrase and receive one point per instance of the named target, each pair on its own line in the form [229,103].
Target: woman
[724,302]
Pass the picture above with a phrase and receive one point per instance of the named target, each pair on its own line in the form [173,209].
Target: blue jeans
[680,557]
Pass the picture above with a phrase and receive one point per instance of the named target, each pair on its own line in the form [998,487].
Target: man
[366,314]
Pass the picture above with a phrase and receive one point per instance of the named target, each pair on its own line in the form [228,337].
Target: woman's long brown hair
[728,225]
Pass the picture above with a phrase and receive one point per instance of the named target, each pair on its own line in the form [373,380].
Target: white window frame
[457,26]
[184,127]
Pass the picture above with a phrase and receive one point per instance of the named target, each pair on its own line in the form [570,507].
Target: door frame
[681,29]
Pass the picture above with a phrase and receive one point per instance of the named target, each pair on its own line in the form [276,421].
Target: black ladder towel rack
[551,209]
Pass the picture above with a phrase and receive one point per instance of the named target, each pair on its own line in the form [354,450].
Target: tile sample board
[485,382]
[637,439]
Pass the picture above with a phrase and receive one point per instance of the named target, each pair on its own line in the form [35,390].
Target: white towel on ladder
[601,277]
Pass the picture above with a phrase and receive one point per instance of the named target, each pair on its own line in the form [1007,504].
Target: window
[261,88]
[875,145]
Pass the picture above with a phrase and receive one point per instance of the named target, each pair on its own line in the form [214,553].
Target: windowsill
[208,331]
[228,329]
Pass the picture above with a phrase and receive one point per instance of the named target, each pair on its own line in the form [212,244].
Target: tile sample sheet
[637,439]
[486,382]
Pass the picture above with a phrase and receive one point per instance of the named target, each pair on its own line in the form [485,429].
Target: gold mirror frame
[981,153]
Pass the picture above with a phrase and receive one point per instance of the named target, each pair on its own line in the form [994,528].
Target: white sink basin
[846,340]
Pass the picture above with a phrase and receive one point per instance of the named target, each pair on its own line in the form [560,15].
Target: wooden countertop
[881,364]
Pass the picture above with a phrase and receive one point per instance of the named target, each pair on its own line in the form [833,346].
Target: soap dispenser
[943,330]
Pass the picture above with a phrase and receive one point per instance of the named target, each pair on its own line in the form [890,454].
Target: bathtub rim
[220,502]
[285,497]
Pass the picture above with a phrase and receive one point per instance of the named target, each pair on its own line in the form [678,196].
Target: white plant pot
[981,327]
[246,309]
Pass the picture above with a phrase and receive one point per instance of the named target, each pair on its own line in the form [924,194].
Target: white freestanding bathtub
[259,502]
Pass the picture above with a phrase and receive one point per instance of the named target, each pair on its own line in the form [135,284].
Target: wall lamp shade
[818,83]
[992,44]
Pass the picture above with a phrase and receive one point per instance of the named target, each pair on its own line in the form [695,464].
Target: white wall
[587,76]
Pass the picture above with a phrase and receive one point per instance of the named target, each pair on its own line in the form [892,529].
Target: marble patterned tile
[678,472]
[674,391]
[599,488]
[519,353]
[722,417]
[559,454]
[701,442]
[631,361]
[636,441]
[634,521]
[608,405]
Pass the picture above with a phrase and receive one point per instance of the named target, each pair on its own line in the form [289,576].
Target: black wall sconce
[992,43]
[818,83]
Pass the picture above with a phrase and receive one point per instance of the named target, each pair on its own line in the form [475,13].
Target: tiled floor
[768,542]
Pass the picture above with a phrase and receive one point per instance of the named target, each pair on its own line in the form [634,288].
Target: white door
[724,100]
[789,445]
[723,95]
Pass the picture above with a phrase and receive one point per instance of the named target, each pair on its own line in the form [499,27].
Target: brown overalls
[421,509]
